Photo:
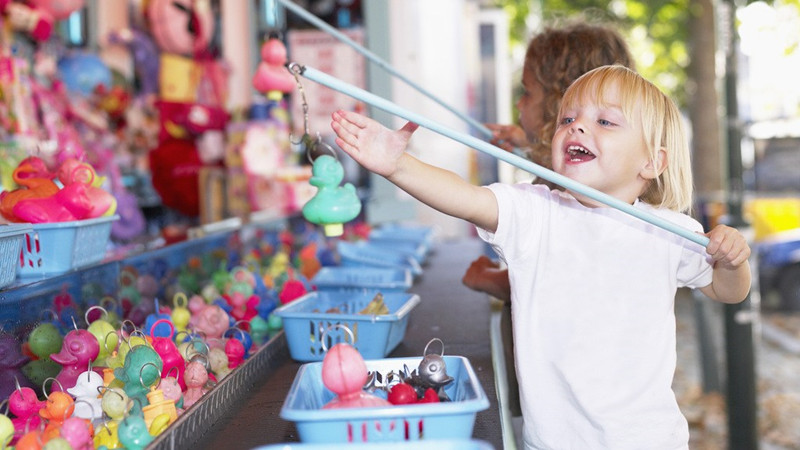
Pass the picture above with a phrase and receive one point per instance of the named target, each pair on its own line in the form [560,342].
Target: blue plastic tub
[359,279]
[397,232]
[58,247]
[362,254]
[439,444]
[11,237]
[397,423]
[416,250]
[305,323]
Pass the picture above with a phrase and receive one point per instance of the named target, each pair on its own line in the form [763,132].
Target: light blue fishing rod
[471,141]
[322,25]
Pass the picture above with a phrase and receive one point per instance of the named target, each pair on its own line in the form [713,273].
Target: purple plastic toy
[79,349]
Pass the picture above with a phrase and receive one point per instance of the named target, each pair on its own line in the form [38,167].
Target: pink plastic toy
[234,349]
[212,321]
[344,372]
[271,77]
[24,405]
[78,433]
[196,378]
[169,353]
[80,347]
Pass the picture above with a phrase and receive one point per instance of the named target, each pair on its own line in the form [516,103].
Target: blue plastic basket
[58,247]
[446,420]
[11,237]
[396,232]
[359,279]
[305,323]
[439,444]
[362,253]
[416,250]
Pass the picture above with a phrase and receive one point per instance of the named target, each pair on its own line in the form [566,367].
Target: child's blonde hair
[662,127]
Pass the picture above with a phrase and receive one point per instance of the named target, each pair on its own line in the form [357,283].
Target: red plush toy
[175,166]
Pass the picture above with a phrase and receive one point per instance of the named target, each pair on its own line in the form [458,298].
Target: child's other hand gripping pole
[729,250]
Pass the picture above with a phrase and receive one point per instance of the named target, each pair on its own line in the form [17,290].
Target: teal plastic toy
[332,205]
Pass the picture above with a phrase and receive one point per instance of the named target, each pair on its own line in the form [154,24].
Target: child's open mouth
[578,153]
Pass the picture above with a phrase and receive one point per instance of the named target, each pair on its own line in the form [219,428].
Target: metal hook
[141,370]
[44,383]
[425,352]
[309,142]
[333,327]
[86,314]
[105,341]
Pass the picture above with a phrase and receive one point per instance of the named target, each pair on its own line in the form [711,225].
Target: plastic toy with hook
[133,432]
[332,205]
[24,404]
[344,372]
[477,144]
[158,405]
[6,427]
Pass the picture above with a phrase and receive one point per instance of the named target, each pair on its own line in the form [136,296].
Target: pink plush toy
[37,22]
[59,9]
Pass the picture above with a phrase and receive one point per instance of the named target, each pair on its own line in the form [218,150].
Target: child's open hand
[507,136]
[369,143]
[727,247]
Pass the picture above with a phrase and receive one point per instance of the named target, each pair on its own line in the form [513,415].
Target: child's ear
[656,167]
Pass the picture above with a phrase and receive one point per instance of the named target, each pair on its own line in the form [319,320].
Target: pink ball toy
[344,372]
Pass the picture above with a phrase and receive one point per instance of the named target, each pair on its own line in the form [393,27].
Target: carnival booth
[188,261]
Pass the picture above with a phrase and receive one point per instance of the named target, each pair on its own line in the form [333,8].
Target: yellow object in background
[769,216]
[178,78]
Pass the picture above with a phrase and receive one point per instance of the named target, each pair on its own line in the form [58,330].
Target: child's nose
[576,127]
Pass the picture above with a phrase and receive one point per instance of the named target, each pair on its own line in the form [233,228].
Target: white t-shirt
[592,295]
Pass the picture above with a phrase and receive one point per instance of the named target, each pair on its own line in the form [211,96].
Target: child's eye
[567,120]
[604,122]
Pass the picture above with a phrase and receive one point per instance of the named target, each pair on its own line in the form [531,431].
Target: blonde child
[555,58]
[592,288]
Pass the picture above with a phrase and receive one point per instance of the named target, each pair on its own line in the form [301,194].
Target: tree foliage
[656,31]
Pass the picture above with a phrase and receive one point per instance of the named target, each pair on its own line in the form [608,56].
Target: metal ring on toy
[92,308]
[141,370]
[44,383]
[334,326]
[425,352]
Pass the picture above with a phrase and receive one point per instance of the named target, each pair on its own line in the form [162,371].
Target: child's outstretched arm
[730,252]
[382,151]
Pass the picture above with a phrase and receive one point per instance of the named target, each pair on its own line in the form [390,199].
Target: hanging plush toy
[37,22]
[59,9]
[184,27]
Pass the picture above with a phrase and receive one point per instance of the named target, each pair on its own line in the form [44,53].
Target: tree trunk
[704,103]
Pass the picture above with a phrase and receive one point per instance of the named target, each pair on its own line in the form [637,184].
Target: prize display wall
[177,275]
